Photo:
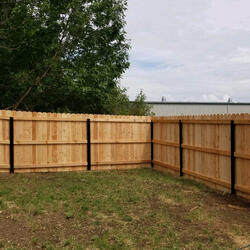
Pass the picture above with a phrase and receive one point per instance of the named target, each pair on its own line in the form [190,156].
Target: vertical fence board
[242,147]
[4,145]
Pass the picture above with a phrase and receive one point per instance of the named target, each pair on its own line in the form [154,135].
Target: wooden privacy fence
[46,142]
[214,148]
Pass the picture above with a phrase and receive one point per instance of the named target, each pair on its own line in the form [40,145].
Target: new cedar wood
[50,142]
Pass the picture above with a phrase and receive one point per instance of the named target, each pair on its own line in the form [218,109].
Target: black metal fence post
[232,157]
[88,146]
[11,136]
[180,148]
[152,143]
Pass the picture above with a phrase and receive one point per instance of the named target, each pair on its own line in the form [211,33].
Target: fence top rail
[242,122]
[42,119]
[165,121]
[194,121]
[74,120]
[215,122]
[42,116]
[39,116]
[4,118]
[200,121]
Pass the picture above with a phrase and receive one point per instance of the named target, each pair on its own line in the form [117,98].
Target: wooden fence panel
[45,142]
[119,142]
[4,145]
[206,145]
[242,153]
[206,151]
[166,144]
[49,142]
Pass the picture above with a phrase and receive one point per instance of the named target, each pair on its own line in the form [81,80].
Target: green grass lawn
[135,209]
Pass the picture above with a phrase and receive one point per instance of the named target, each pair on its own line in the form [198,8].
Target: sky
[189,50]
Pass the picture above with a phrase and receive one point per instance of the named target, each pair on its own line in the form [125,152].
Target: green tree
[140,107]
[65,55]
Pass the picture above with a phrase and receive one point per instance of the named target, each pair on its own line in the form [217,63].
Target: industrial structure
[198,108]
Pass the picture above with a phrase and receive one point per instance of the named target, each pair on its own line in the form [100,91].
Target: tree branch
[9,49]
[37,82]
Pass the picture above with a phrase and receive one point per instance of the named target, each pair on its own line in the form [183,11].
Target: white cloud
[189,50]
[242,55]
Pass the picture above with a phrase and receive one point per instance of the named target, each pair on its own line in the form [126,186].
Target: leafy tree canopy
[65,55]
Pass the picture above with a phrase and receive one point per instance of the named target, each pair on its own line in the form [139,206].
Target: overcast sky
[189,50]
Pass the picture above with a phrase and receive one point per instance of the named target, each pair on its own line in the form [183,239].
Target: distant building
[198,108]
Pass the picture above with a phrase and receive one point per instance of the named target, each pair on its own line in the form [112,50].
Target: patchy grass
[135,209]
